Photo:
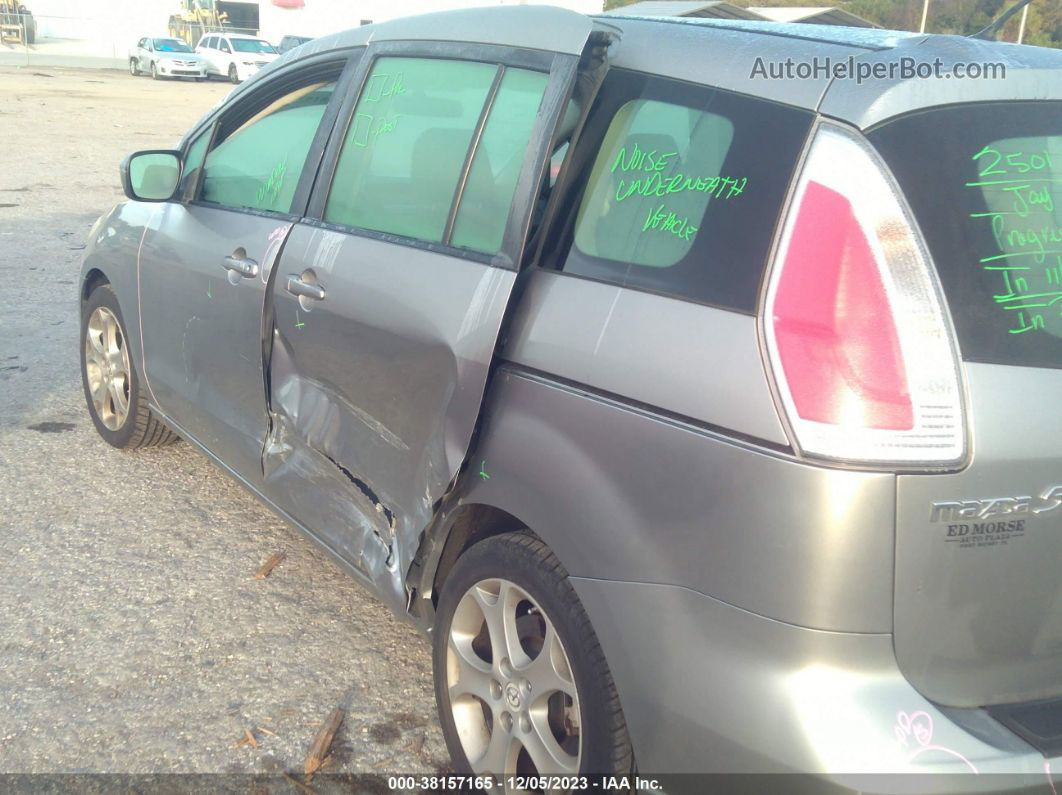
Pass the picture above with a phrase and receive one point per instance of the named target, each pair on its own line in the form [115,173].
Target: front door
[389,298]
[205,263]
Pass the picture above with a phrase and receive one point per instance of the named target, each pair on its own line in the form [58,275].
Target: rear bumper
[709,688]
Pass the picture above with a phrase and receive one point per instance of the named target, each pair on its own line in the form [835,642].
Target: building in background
[817,15]
[813,15]
[685,8]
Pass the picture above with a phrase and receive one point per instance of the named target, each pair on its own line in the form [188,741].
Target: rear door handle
[296,286]
[244,267]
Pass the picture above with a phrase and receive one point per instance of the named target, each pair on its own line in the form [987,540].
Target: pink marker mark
[919,726]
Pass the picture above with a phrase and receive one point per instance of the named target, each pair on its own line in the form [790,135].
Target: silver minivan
[687,406]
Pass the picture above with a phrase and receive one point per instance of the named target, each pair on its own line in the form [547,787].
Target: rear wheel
[134,69]
[115,400]
[234,76]
[521,682]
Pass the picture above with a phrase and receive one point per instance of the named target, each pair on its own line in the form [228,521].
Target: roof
[819,15]
[724,52]
[685,8]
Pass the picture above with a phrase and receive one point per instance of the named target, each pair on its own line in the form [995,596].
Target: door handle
[296,286]
[241,265]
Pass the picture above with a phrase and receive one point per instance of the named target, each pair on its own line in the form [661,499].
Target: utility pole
[1021,28]
[925,13]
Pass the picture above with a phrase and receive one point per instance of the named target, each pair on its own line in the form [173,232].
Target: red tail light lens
[857,336]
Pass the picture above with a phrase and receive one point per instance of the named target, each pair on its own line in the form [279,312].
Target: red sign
[289,3]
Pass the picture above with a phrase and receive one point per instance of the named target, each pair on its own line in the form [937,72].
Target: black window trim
[558,238]
[283,81]
[561,71]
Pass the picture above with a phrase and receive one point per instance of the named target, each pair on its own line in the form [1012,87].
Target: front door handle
[241,265]
[296,286]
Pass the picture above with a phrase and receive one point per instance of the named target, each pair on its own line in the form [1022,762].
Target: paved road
[133,635]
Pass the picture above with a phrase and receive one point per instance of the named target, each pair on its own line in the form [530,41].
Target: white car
[166,57]
[235,56]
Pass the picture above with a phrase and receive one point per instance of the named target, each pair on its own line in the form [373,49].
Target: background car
[235,56]
[166,57]
[291,42]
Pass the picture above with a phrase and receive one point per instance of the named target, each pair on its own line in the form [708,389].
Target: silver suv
[691,412]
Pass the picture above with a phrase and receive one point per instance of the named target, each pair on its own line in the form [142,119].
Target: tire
[134,69]
[518,569]
[154,72]
[139,427]
[234,76]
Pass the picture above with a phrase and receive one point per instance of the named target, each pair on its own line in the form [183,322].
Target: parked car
[166,57]
[234,55]
[291,42]
[716,452]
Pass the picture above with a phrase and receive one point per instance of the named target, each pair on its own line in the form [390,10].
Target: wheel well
[93,279]
[471,523]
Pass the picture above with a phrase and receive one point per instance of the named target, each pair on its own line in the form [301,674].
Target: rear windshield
[252,45]
[985,183]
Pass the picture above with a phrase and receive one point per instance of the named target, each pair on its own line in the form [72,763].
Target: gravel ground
[134,637]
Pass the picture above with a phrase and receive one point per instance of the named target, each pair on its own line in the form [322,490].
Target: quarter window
[409,142]
[257,165]
[683,188]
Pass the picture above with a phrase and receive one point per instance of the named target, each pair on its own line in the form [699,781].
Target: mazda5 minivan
[706,421]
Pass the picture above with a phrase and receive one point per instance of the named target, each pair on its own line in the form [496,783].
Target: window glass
[170,45]
[683,188]
[252,45]
[258,165]
[985,184]
[193,160]
[657,170]
[406,145]
[499,157]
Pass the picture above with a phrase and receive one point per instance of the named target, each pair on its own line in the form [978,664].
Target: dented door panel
[375,390]
[203,329]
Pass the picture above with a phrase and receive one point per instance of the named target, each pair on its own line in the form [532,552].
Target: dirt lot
[133,635]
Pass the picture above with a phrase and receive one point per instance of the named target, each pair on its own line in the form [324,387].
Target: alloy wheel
[510,683]
[107,368]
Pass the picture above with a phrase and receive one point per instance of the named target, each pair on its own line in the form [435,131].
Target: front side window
[409,141]
[258,164]
[681,188]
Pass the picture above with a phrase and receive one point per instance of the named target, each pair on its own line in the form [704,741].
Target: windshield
[170,45]
[252,45]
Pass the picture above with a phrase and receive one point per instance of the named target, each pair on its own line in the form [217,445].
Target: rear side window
[406,151]
[985,184]
[683,187]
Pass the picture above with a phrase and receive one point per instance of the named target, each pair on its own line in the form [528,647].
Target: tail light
[857,336]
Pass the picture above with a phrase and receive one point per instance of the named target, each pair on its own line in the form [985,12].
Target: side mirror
[151,176]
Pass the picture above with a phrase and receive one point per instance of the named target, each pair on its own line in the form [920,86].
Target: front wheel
[154,71]
[115,400]
[234,76]
[521,682]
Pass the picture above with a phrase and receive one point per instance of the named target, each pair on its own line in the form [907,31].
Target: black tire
[234,76]
[141,427]
[524,560]
[155,72]
[134,67]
